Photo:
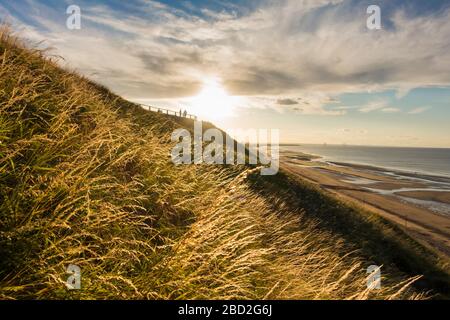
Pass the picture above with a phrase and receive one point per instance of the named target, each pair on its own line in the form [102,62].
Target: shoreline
[399,172]
[419,203]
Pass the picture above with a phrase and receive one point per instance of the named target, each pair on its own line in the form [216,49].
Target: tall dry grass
[86,179]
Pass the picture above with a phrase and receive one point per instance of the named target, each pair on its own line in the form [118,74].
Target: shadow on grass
[378,240]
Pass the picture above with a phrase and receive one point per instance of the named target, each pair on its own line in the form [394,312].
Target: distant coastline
[429,163]
[419,202]
[357,145]
[414,175]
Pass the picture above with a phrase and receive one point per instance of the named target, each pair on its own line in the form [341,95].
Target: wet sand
[443,197]
[421,213]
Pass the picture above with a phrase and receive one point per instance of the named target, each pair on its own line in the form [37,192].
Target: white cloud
[285,49]
[373,106]
[419,110]
[390,110]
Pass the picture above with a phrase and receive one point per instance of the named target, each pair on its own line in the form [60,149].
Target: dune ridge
[86,179]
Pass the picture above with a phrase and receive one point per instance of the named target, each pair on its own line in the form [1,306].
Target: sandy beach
[418,203]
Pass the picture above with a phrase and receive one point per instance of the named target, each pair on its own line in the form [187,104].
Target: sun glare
[213,102]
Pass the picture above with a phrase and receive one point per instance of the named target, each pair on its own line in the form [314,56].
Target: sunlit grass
[86,179]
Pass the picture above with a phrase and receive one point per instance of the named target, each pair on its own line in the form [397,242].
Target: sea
[427,165]
[429,161]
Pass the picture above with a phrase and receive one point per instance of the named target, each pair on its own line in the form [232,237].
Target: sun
[213,102]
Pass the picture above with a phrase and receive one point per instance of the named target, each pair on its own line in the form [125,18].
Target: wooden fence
[169,112]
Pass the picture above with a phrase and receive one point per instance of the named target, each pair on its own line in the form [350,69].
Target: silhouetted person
[185,113]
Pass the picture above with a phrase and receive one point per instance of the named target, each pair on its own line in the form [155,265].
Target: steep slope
[86,179]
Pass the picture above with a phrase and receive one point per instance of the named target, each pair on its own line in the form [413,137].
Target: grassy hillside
[86,179]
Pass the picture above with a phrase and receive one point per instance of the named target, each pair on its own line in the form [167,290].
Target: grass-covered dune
[86,179]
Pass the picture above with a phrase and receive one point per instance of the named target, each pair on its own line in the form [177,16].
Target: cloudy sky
[310,68]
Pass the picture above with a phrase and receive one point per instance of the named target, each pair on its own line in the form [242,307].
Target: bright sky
[309,68]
